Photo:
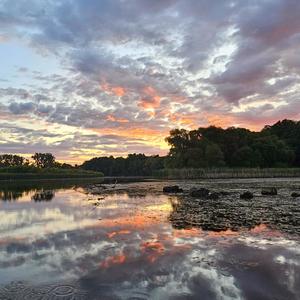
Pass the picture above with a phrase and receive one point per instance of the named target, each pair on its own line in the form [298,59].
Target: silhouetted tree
[9,160]
[289,132]
[274,146]
[247,157]
[44,160]
[133,165]
[190,149]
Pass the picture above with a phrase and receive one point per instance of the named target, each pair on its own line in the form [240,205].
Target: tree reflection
[7,195]
[46,195]
[14,190]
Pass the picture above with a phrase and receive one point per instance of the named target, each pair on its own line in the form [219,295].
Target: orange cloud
[219,120]
[184,120]
[134,132]
[231,119]
[151,99]
[118,91]
[115,90]
[113,119]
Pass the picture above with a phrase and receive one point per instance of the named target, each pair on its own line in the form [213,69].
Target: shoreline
[123,179]
[45,177]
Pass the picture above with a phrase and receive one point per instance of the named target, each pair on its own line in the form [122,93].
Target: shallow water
[64,243]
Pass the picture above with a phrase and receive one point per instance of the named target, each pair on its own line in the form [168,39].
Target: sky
[86,78]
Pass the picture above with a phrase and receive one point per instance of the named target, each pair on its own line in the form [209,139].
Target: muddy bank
[228,212]
[156,186]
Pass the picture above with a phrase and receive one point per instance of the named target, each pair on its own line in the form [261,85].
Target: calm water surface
[62,243]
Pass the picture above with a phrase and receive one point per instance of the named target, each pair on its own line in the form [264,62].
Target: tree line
[39,160]
[132,165]
[276,146]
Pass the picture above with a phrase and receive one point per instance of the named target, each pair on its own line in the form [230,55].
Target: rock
[295,195]
[269,191]
[246,195]
[202,192]
[172,189]
[275,212]
[213,196]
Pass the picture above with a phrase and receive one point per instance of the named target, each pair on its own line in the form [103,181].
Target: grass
[215,173]
[29,172]
[33,173]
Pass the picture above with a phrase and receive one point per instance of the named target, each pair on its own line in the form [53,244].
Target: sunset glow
[92,78]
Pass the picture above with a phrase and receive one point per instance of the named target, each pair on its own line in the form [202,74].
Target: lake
[75,240]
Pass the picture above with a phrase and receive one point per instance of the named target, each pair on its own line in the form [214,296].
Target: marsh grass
[214,173]
[29,172]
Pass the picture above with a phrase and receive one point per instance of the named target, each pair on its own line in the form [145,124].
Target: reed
[220,173]
[17,173]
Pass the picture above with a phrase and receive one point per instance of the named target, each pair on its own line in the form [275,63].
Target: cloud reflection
[113,253]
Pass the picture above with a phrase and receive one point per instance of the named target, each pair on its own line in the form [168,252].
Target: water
[57,241]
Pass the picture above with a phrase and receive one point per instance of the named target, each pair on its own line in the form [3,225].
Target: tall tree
[10,160]
[274,146]
[289,131]
[44,160]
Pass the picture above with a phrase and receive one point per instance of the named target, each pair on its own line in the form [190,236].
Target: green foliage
[207,148]
[274,146]
[289,132]
[247,157]
[274,152]
[19,169]
[8,160]
[132,165]
[32,172]
[44,167]
[44,160]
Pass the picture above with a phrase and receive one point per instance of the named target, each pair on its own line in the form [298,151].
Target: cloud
[21,108]
[140,66]
[265,34]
